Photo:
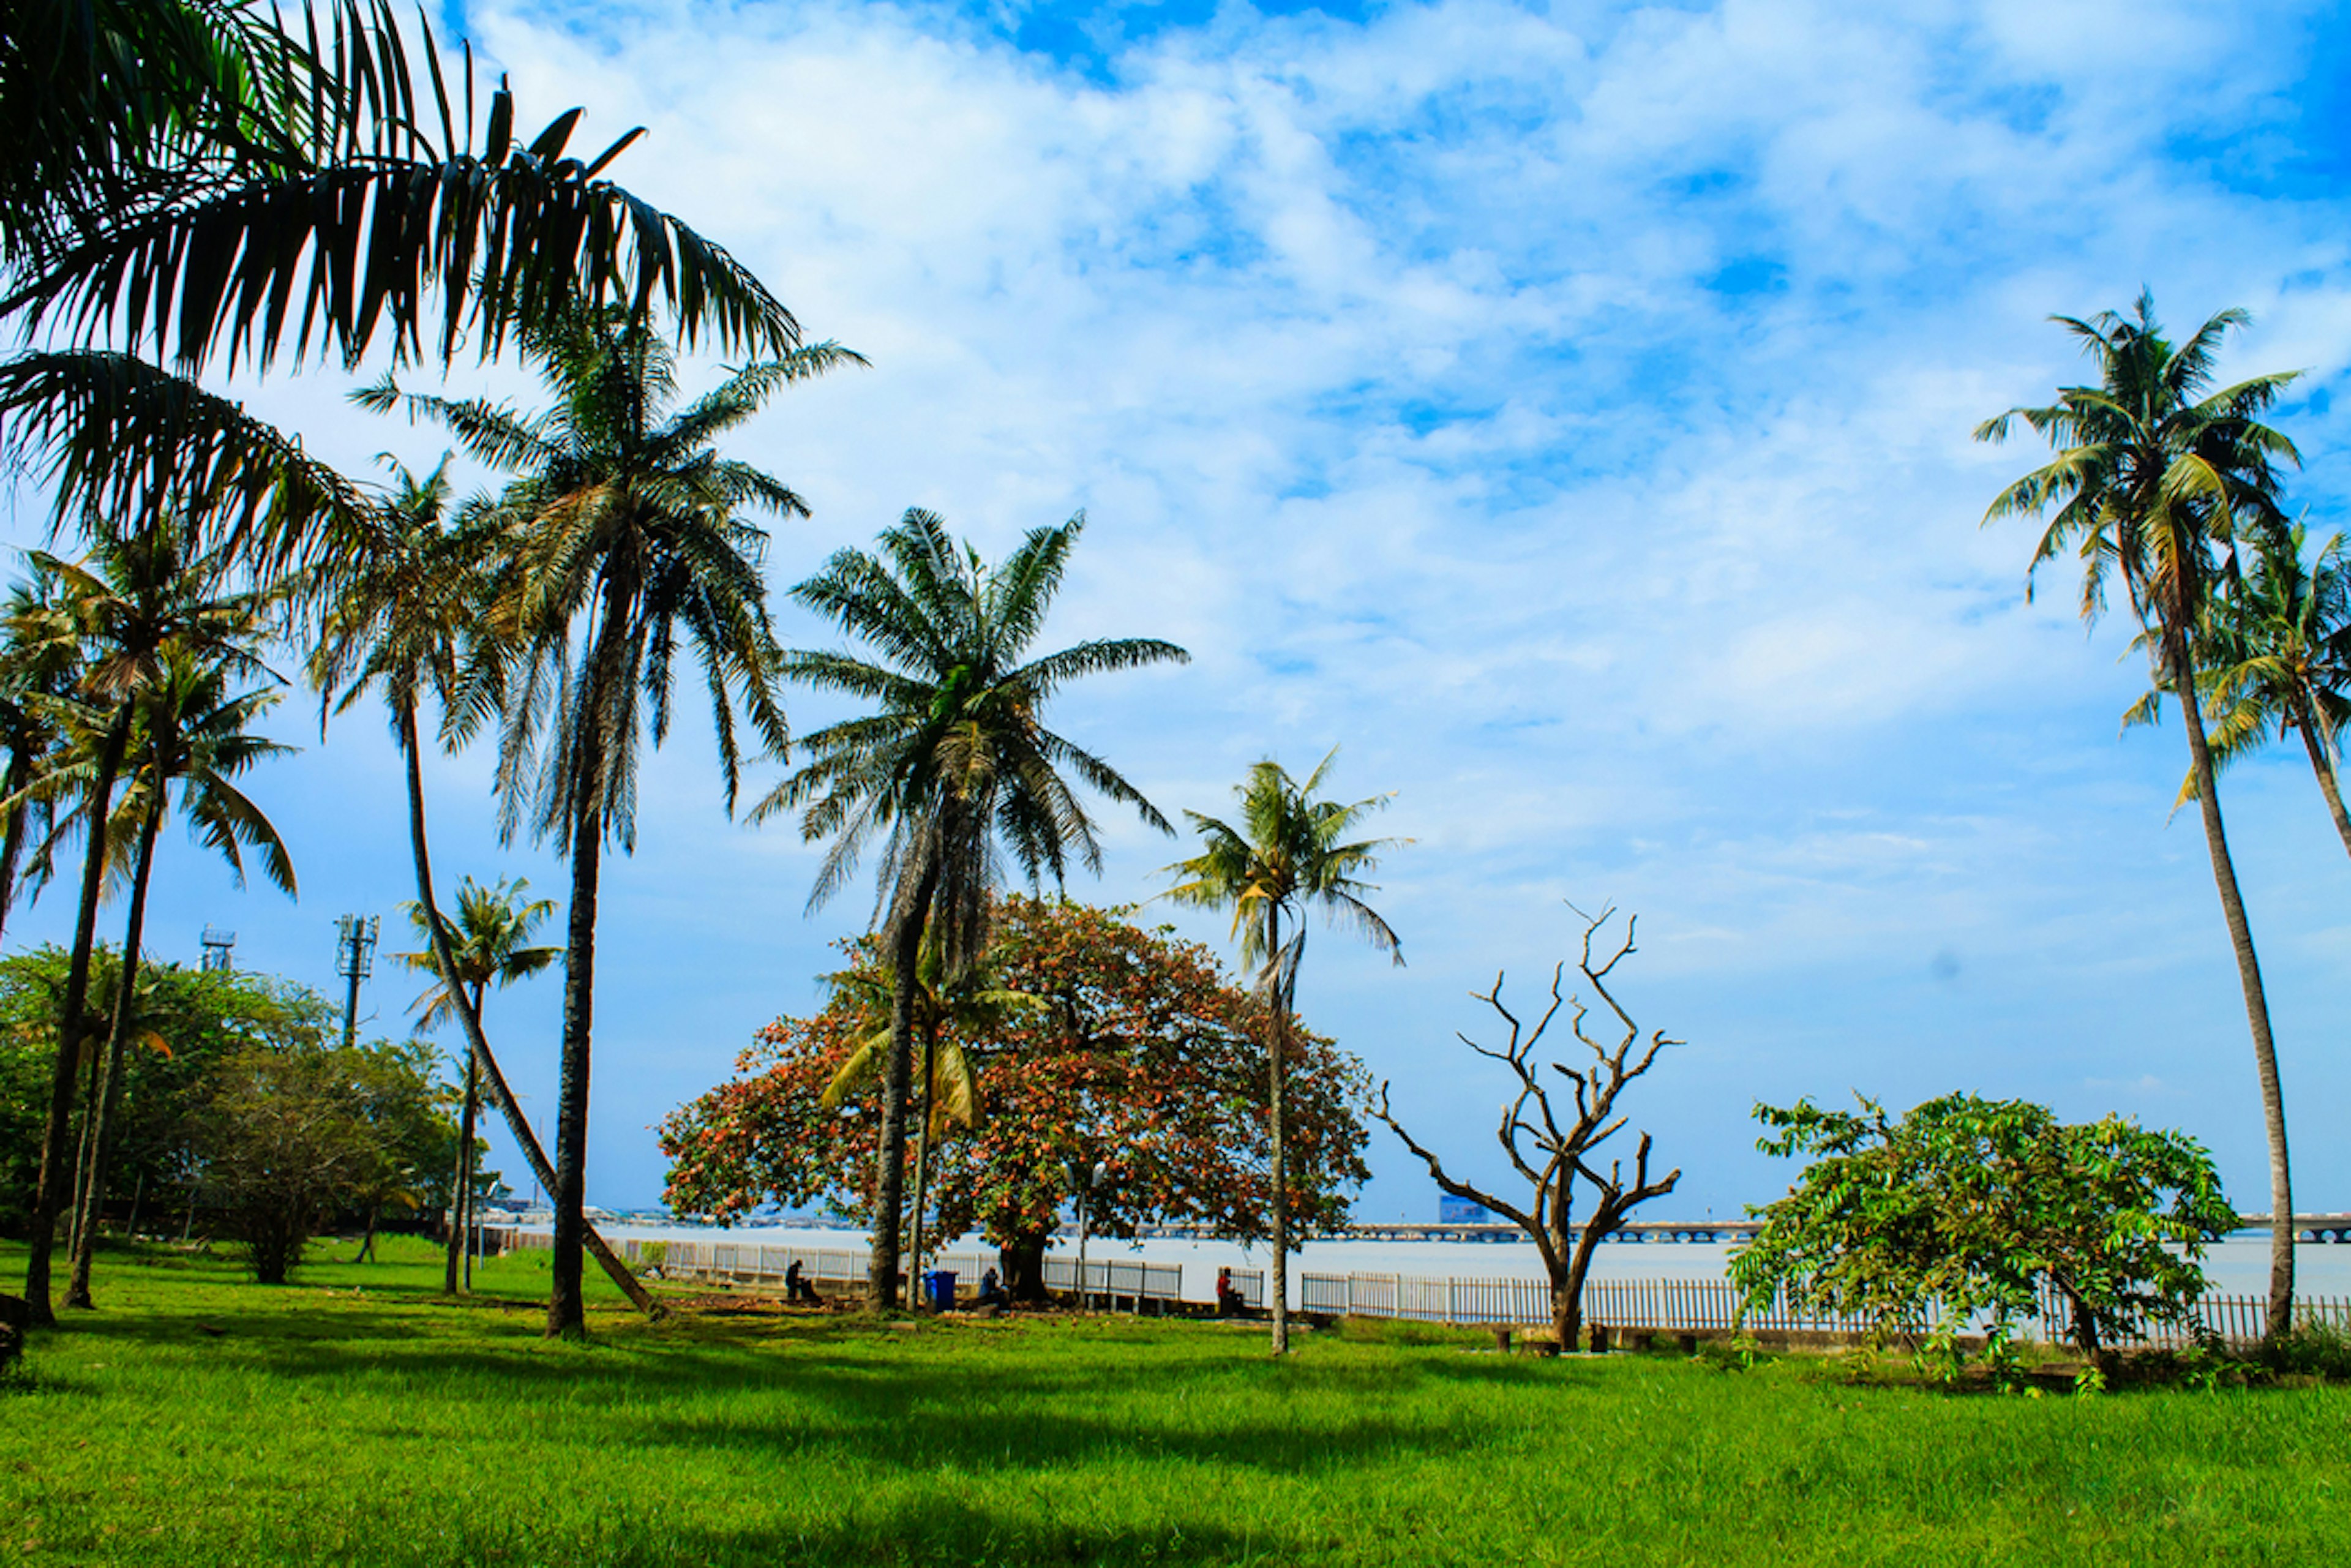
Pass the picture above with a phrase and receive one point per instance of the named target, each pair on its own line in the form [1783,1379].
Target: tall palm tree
[405,609]
[955,767]
[628,527]
[1290,853]
[138,596]
[2274,659]
[489,945]
[2156,476]
[197,735]
[37,672]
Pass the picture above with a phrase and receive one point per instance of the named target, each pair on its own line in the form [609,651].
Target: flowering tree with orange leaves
[1138,1054]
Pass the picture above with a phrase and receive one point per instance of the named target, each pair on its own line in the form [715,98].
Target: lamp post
[1083,1174]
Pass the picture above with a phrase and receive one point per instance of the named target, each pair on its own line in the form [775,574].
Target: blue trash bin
[940,1283]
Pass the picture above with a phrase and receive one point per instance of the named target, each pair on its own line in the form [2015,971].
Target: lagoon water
[2239,1266]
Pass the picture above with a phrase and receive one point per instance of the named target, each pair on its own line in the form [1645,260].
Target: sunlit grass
[357,1417]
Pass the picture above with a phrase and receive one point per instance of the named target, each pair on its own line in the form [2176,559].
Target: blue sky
[1566,412]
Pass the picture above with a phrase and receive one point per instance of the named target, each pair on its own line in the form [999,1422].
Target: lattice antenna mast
[355,960]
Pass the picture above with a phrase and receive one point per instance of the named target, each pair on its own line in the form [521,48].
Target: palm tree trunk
[2249,977]
[501,1095]
[923,1149]
[890,1190]
[566,1311]
[461,1196]
[1276,1081]
[566,1315]
[50,1196]
[93,1179]
[2322,766]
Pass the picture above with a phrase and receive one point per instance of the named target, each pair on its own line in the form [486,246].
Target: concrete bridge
[2335,1228]
[2306,1227]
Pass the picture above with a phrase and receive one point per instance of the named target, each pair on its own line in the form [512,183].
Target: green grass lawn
[356,1417]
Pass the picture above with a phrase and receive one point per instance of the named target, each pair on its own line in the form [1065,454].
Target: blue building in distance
[1452,1210]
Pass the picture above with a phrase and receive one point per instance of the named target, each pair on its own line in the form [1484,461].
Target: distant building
[1452,1210]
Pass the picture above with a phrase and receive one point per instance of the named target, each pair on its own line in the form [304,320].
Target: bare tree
[1551,1155]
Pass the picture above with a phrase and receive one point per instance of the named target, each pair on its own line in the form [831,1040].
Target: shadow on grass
[949,1531]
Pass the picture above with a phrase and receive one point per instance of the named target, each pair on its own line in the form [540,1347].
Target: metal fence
[1673,1306]
[1697,1306]
[1112,1281]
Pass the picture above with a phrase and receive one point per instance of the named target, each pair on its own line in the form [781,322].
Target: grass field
[355,1418]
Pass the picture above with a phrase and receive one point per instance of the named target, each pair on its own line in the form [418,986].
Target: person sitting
[1228,1295]
[797,1289]
[991,1290]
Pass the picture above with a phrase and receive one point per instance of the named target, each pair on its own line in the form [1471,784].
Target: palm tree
[406,607]
[626,519]
[489,945]
[955,767]
[198,736]
[138,596]
[1289,853]
[38,671]
[2274,657]
[2156,478]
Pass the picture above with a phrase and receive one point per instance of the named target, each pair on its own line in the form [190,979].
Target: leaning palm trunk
[470,1019]
[49,1197]
[2249,976]
[93,1175]
[2323,765]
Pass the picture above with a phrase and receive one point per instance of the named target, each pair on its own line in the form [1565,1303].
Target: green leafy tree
[1290,853]
[197,736]
[490,945]
[1964,1209]
[293,1135]
[1137,1052]
[953,768]
[624,521]
[2156,476]
[184,1022]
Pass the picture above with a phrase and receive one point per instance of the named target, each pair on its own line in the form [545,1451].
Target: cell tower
[217,944]
[354,959]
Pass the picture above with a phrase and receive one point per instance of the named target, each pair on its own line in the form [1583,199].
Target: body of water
[2238,1266]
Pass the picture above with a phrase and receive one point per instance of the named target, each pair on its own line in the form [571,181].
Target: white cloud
[1568,413]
